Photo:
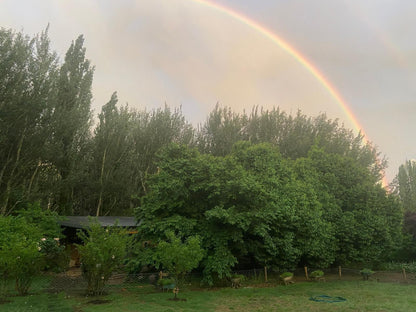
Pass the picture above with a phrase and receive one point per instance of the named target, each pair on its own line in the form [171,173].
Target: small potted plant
[317,275]
[366,273]
[287,277]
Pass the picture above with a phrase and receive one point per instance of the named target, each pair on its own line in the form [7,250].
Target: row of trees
[256,207]
[256,187]
[51,153]
[48,149]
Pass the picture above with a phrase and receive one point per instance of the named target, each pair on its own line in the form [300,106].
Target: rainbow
[387,42]
[297,56]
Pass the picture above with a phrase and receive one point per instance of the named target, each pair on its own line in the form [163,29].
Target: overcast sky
[183,53]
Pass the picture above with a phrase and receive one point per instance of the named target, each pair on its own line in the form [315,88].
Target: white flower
[43,239]
[39,248]
[56,239]
[112,257]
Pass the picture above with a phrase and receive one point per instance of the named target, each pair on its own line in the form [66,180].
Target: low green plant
[366,273]
[240,276]
[286,274]
[103,252]
[317,273]
[165,281]
[410,267]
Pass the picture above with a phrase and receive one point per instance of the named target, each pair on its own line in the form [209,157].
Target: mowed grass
[360,295]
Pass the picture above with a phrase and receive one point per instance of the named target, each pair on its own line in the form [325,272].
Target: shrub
[317,273]
[286,274]
[103,252]
[178,257]
[54,255]
[165,281]
[398,266]
[366,273]
[240,276]
[20,258]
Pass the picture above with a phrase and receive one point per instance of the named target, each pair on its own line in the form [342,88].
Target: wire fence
[72,283]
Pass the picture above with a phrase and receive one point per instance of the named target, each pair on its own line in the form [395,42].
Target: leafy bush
[20,258]
[240,276]
[398,266]
[366,273]
[165,281]
[317,273]
[286,274]
[45,220]
[178,257]
[55,257]
[50,233]
[103,252]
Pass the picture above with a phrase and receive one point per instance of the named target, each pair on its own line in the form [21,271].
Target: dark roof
[81,222]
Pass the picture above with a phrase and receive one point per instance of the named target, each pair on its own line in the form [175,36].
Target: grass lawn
[360,295]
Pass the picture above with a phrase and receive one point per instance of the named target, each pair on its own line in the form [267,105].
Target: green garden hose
[325,298]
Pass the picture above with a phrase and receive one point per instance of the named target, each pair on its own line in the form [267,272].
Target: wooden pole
[339,272]
[265,274]
[404,274]
[306,272]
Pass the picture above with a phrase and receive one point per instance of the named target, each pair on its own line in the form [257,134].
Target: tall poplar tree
[111,159]
[70,124]
[406,180]
[28,71]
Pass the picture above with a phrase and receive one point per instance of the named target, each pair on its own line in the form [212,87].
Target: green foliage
[55,257]
[317,273]
[103,251]
[286,274]
[367,220]
[239,276]
[165,281]
[254,204]
[45,220]
[406,185]
[178,257]
[27,74]
[20,258]
[410,267]
[366,271]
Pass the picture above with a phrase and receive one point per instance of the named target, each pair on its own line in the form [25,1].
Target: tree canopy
[253,206]
[263,187]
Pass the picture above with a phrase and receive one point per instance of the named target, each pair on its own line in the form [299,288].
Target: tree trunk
[100,200]
[9,182]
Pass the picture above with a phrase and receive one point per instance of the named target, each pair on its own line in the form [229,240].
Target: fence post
[306,272]
[265,274]
[339,272]
[404,274]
